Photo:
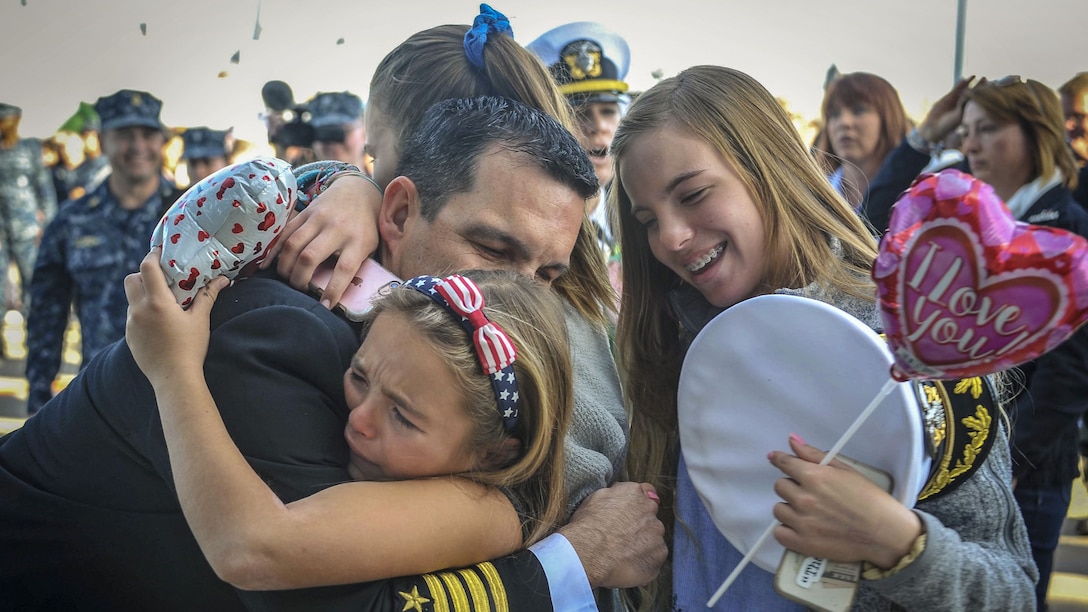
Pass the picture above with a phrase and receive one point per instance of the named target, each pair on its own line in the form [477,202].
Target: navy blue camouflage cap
[10,110]
[588,61]
[335,108]
[128,108]
[204,143]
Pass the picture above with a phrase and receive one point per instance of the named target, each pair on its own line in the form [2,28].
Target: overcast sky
[56,53]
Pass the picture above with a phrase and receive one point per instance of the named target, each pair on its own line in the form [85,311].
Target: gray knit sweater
[596,442]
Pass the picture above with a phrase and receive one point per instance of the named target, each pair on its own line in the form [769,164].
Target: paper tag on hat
[225,224]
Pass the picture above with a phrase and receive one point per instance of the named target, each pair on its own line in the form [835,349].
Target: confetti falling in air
[340,40]
[23,2]
[143,29]
[222,74]
[234,59]
[257,23]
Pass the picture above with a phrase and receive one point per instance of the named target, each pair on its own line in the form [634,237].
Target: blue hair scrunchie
[488,22]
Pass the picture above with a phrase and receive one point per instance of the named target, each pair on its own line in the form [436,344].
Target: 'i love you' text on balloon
[967,290]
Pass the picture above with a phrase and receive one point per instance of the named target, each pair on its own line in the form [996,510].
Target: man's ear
[501,456]
[400,208]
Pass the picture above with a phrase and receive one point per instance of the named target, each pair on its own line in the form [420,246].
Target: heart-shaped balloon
[225,224]
[966,290]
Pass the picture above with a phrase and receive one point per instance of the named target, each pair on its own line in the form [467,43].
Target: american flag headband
[496,352]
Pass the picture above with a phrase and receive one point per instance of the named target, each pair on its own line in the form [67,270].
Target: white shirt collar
[1024,197]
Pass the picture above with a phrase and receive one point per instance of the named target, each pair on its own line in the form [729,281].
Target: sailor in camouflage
[96,240]
[27,201]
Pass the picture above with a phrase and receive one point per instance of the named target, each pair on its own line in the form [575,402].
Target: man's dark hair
[442,154]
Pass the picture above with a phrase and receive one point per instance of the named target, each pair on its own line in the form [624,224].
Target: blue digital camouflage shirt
[27,201]
[84,256]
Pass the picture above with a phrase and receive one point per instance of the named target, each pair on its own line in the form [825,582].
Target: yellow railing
[9,424]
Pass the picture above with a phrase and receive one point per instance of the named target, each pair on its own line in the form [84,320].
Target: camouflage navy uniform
[86,252]
[27,200]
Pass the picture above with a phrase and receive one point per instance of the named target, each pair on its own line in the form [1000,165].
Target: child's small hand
[342,222]
[164,338]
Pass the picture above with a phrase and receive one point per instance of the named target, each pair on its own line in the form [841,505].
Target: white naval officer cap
[588,61]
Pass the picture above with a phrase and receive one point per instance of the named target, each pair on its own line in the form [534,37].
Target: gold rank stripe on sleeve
[466,590]
[439,601]
[494,583]
[475,588]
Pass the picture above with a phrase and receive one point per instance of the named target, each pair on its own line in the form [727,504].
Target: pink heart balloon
[966,290]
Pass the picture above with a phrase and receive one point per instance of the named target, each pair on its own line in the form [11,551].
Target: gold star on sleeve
[413,600]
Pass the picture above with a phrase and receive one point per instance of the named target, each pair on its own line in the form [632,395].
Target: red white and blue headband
[496,351]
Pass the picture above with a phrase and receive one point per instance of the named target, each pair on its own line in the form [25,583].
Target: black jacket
[1055,396]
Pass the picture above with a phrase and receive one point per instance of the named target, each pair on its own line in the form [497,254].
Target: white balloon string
[831,454]
[740,566]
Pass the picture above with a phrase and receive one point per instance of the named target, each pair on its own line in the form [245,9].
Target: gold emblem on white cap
[583,59]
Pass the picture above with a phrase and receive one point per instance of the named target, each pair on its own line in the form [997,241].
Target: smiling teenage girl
[720,201]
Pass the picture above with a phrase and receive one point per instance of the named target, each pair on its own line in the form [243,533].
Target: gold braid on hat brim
[960,428]
[593,86]
[959,425]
